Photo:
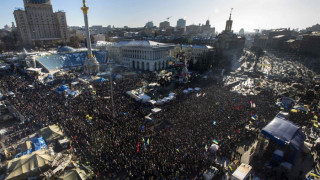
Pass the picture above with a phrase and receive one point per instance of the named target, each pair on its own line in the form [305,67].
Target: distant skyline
[247,14]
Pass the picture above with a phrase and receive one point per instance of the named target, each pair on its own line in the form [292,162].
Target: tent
[284,132]
[63,88]
[74,174]
[39,143]
[24,148]
[28,165]
[144,98]
[101,80]
[51,133]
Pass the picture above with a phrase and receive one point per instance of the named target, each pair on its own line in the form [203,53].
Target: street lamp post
[111,88]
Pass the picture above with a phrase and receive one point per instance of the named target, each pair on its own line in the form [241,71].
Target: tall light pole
[111,88]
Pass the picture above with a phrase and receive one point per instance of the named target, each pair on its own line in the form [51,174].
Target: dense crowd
[172,146]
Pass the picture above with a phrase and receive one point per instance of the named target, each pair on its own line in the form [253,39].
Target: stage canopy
[284,132]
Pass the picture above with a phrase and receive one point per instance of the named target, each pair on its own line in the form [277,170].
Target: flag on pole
[230,167]
[315,174]
[229,137]
[214,123]
[250,122]
[316,125]
[316,117]
[148,142]
[215,141]
[142,139]
[177,149]
[253,117]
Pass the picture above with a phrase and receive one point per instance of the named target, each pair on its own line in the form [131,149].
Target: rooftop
[139,43]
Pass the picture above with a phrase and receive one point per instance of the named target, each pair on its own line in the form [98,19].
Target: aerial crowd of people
[174,144]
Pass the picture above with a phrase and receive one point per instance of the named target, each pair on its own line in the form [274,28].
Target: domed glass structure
[65,49]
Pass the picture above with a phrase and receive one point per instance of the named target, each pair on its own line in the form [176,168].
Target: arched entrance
[133,65]
[155,66]
[142,65]
[148,68]
[138,67]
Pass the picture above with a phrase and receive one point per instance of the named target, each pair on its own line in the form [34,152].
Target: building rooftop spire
[230,13]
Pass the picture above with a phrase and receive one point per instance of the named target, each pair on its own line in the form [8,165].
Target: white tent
[145,98]
[28,165]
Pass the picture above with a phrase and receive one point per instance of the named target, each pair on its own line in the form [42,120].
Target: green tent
[51,133]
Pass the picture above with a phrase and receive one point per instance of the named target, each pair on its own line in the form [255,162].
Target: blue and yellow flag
[315,174]
[214,123]
[148,142]
[229,137]
[215,141]
[177,149]
[230,167]
[253,117]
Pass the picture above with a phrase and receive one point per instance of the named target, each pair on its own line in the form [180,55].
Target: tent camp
[29,165]
[74,174]
[51,133]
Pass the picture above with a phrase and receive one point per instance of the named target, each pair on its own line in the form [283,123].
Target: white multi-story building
[99,37]
[181,24]
[141,55]
[149,24]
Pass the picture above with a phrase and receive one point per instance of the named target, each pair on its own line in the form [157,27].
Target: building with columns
[141,55]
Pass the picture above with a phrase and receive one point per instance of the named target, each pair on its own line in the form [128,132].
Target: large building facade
[38,22]
[141,55]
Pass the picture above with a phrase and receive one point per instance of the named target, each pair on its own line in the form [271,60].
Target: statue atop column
[91,65]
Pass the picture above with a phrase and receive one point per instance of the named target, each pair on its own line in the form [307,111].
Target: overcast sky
[247,14]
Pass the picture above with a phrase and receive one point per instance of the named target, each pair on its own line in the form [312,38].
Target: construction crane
[169,18]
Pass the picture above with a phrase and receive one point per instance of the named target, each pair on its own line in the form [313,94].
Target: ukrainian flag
[253,117]
[314,174]
[316,117]
[148,142]
[215,141]
[230,167]
[229,137]
[315,125]
[214,123]
[177,149]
